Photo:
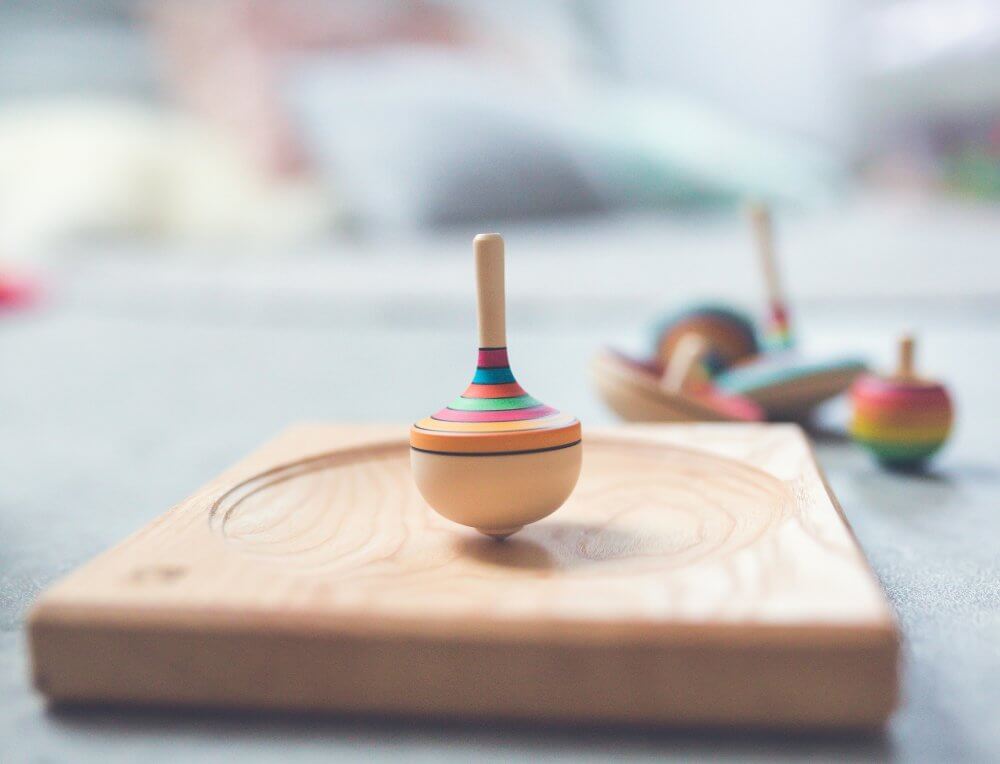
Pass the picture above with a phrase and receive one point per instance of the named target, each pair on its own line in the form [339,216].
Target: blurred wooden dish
[635,391]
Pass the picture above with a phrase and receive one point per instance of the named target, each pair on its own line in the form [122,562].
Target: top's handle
[488,248]
[905,368]
[681,373]
[760,218]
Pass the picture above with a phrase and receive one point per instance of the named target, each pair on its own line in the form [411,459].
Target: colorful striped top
[494,416]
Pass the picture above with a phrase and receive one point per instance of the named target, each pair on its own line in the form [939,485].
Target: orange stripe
[439,425]
[926,416]
[881,432]
[494,442]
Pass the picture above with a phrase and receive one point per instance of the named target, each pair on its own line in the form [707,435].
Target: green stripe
[493,404]
[902,452]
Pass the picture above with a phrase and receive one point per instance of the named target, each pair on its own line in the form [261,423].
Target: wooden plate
[700,574]
[635,394]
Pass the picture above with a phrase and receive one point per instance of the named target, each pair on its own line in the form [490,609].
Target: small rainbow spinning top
[495,458]
[902,419]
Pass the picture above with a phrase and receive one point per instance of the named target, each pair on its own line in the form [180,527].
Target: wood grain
[700,574]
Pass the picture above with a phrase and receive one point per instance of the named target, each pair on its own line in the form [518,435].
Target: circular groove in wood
[646,517]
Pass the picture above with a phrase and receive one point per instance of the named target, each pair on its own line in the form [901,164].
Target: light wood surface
[489,253]
[700,574]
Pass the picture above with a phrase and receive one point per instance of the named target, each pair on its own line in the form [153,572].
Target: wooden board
[700,574]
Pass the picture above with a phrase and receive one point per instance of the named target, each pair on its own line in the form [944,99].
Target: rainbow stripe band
[494,416]
[779,329]
[901,422]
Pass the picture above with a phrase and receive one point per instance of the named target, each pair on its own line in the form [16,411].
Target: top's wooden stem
[906,369]
[680,372]
[490,290]
[760,219]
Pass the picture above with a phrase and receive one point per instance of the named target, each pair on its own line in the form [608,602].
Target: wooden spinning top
[729,336]
[495,458]
[902,419]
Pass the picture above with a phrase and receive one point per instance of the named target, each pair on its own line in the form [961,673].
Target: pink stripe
[504,390]
[515,415]
[493,359]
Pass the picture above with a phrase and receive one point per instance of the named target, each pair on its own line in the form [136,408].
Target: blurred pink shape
[17,291]
[226,59]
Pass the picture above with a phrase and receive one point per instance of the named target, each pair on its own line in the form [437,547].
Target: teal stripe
[494,404]
[493,376]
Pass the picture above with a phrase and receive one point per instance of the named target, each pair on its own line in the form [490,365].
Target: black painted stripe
[498,453]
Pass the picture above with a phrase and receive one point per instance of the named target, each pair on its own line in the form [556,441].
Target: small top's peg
[686,371]
[902,418]
[495,458]
[905,366]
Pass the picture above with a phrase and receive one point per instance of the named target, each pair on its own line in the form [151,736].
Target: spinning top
[729,336]
[495,459]
[781,381]
[902,419]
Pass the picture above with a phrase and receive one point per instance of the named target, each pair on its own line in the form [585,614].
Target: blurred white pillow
[419,136]
[75,168]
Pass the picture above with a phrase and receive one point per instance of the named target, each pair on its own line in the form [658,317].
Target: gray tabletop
[135,383]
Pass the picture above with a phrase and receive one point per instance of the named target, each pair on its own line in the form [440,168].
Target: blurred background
[230,214]
[265,125]
[372,138]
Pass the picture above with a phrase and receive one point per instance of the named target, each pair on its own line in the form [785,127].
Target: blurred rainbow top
[494,416]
